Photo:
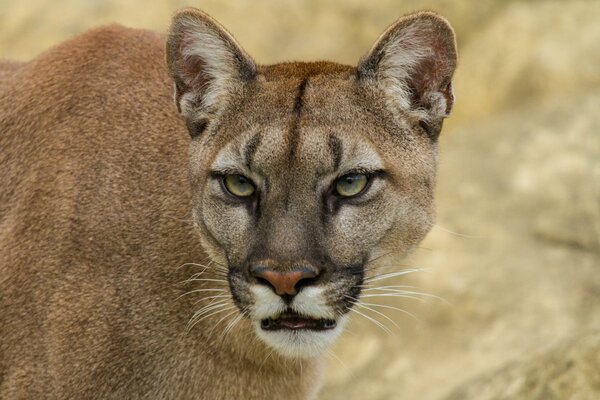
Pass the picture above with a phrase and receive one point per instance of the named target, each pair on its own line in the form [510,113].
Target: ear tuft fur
[206,64]
[412,63]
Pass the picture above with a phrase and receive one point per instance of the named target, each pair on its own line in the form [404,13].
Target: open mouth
[294,321]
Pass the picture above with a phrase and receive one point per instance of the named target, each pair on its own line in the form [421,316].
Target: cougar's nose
[285,282]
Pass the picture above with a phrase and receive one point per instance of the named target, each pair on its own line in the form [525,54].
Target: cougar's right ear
[207,65]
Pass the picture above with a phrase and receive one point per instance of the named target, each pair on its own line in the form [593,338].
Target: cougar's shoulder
[92,199]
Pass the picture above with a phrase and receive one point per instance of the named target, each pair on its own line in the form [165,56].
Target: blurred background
[516,252]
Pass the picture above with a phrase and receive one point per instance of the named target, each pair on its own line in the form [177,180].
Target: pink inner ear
[192,68]
[430,81]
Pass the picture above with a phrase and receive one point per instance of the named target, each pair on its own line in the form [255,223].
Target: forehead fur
[306,70]
[310,111]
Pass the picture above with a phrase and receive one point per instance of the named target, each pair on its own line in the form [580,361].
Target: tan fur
[99,226]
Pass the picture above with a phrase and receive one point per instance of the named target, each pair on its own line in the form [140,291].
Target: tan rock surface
[569,371]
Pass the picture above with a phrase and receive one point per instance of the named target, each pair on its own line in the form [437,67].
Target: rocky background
[515,257]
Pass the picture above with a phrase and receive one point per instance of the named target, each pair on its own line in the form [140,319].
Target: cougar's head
[301,173]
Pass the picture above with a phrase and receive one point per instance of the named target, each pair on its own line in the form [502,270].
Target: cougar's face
[295,193]
[303,173]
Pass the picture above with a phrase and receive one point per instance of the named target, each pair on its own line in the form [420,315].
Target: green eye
[351,184]
[239,185]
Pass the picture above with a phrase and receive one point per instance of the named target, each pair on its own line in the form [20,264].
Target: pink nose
[284,283]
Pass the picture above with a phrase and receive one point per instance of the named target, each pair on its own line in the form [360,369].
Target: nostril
[257,271]
[309,281]
[262,281]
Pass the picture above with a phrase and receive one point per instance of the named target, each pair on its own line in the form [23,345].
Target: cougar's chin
[301,329]
[296,336]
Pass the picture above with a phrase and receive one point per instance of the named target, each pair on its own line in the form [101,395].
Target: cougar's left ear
[412,63]
[207,65]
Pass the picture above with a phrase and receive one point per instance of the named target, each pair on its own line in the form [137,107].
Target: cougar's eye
[238,185]
[351,184]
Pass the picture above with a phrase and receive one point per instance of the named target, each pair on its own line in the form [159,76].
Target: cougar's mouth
[290,320]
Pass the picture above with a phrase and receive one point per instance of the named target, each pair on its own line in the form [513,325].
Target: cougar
[202,228]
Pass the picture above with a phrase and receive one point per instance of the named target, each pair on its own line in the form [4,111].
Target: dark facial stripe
[250,149]
[335,149]
[297,110]
[294,134]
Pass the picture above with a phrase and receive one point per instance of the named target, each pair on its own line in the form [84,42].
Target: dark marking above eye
[250,149]
[335,149]
[195,128]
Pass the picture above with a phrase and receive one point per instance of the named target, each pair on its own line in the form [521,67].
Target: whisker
[377,323]
[200,290]
[213,299]
[232,324]
[219,322]
[265,360]
[395,274]
[212,313]
[197,275]
[204,280]
[369,287]
[392,295]
[226,315]
[194,264]
[408,292]
[209,307]
[379,257]
[192,324]
[217,267]
[366,306]
[389,268]
[456,233]
[218,296]
[209,269]
[390,307]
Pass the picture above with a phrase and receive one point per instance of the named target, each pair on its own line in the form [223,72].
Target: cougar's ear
[412,63]
[207,65]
